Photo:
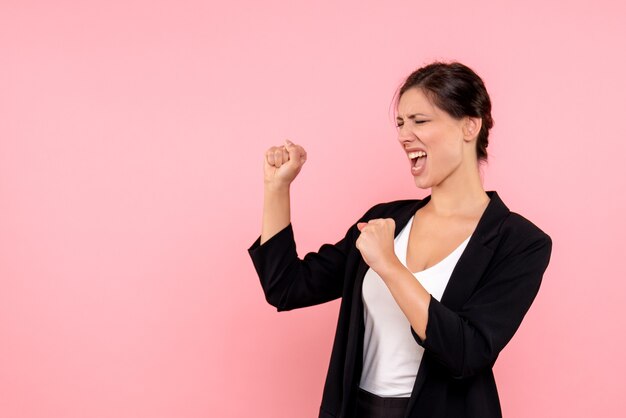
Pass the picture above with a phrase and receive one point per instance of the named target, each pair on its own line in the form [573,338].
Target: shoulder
[519,235]
[503,226]
[522,227]
[518,245]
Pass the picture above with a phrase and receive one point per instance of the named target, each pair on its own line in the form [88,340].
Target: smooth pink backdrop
[131,142]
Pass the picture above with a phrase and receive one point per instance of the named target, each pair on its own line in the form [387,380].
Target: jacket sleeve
[468,341]
[290,282]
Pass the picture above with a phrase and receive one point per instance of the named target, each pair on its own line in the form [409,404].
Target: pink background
[131,142]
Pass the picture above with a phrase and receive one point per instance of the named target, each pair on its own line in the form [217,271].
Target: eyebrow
[411,116]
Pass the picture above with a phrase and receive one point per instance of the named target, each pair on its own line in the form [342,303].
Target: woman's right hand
[283,163]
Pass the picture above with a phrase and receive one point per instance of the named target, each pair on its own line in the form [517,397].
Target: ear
[471,127]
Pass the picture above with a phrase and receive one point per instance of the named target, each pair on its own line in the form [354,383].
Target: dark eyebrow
[411,116]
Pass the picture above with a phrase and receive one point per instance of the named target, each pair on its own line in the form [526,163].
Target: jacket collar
[477,253]
[487,227]
[473,261]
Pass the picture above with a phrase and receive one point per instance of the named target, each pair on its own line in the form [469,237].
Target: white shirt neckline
[407,232]
[391,357]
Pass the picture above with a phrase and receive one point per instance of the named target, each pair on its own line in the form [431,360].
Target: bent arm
[468,341]
[290,282]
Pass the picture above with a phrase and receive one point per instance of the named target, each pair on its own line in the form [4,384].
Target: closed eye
[417,122]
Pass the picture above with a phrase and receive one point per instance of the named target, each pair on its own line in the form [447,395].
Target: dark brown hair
[459,91]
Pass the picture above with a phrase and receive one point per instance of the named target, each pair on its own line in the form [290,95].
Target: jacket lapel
[354,357]
[400,219]
[477,255]
[473,261]
[468,271]
[466,274]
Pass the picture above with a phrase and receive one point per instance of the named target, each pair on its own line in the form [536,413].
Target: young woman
[432,289]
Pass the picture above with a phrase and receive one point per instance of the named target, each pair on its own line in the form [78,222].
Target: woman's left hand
[376,243]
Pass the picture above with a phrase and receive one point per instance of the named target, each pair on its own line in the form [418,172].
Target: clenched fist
[282,164]
[376,243]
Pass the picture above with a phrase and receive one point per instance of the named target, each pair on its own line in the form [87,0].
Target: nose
[405,136]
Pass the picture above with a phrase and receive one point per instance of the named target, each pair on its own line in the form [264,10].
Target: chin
[420,183]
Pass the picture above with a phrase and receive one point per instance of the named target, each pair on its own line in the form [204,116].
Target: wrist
[274,187]
[390,267]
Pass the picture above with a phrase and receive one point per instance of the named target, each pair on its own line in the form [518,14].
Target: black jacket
[490,290]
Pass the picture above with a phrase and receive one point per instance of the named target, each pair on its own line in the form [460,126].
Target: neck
[459,193]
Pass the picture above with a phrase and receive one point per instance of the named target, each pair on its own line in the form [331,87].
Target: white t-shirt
[391,356]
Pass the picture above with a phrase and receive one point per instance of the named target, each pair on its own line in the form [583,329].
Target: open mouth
[417,158]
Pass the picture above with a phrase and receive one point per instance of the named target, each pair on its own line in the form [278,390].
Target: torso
[432,238]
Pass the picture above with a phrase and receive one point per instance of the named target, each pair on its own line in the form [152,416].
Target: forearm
[276,211]
[409,294]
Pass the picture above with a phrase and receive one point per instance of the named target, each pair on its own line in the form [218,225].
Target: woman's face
[449,144]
